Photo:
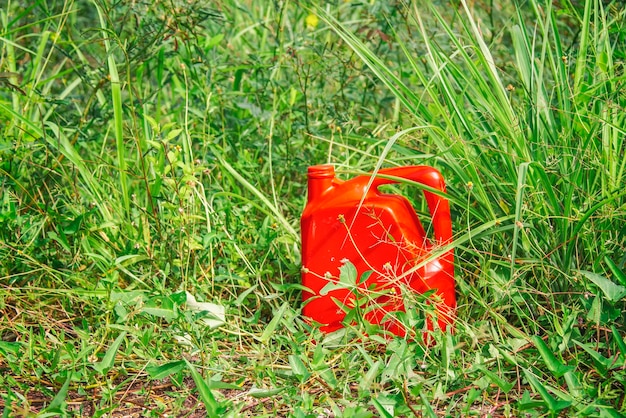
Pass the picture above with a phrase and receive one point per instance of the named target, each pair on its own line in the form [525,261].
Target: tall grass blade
[519,199]
[118,116]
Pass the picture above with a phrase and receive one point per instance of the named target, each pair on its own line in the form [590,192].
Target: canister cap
[321,171]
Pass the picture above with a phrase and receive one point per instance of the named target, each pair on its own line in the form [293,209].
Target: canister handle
[438,206]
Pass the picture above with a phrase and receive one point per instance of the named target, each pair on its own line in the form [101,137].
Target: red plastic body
[376,232]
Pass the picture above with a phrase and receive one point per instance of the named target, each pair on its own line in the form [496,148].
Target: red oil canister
[378,233]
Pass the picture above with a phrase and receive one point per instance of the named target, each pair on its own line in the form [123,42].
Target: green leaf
[553,404]
[494,378]
[271,327]
[129,259]
[127,296]
[595,310]
[213,408]
[619,274]
[218,384]
[573,384]
[164,370]
[619,341]
[519,199]
[162,307]
[612,291]
[60,239]
[330,287]
[264,393]
[58,402]
[298,367]
[109,357]
[429,409]
[347,273]
[366,382]
[385,405]
[366,275]
[557,368]
[328,376]
[528,403]
[215,40]
[12,347]
[173,134]
[602,363]
[347,278]
[216,313]
[244,295]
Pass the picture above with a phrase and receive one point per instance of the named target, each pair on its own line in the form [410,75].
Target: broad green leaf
[271,327]
[385,405]
[328,376]
[216,313]
[516,344]
[619,274]
[109,357]
[366,275]
[595,311]
[162,307]
[602,363]
[330,287]
[347,273]
[494,378]
[612,291]
[619,340]
[164,370]
[528,403]
[552,403]
[57,403]
[173,134]
[368,379]
[213,408]
[214,40]
[12,347]
[127,296]
[335,339]
[218,384]
[573,384]
[298,367]
[427,407]
[347,278]
[264,393]
[557,368]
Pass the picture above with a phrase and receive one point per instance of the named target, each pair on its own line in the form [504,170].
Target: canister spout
[320,180]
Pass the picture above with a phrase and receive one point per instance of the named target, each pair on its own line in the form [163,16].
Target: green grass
[153,158]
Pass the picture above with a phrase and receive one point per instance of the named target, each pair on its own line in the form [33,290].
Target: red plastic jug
[377,232]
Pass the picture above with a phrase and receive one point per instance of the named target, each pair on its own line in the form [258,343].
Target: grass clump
[152,168]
